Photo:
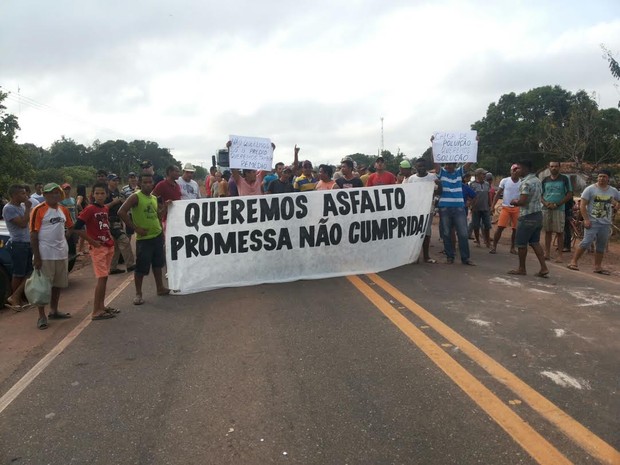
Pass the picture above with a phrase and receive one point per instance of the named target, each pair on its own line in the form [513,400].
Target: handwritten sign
[455,147]
[252,153]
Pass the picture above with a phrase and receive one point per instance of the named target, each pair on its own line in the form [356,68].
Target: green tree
[361,159]
[121,157]
[428,157]
[74,175]
[570,137]
[614,66]
[66,152]
[201,173]
[605,145]
[15,163]
[515,126]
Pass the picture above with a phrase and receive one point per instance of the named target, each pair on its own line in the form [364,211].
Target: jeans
[454,217]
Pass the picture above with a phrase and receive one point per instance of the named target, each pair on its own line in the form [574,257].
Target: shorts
[528,230]
[553,220]
[481,216]
[600,233]
[21,256]
[57,271]
[101,258]
[508,215]
[149,252]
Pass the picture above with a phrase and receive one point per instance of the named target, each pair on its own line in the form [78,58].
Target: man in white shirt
[38,193]
[509,190]
[189,187]
[422,175]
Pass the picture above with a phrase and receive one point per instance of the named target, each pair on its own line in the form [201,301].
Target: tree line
[542,124]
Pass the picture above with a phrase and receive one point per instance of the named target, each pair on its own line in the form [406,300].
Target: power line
[31,103]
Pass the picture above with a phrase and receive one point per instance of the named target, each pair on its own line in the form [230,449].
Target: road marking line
[581,435]
[527,437]
[36,370]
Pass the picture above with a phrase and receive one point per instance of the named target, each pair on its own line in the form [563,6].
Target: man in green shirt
[556,191]
[145,220]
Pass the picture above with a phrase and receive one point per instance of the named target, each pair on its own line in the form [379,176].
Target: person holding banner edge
[145,220]
[451,209]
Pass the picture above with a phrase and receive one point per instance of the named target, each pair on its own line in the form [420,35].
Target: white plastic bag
[38,288]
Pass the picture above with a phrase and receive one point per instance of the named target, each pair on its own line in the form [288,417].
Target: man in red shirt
[380,177]
[95,218]
[168,190]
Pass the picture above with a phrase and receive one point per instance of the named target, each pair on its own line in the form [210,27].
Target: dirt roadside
[22,345]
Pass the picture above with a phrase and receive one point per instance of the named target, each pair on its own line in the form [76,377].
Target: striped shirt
[451,188]
[303,184]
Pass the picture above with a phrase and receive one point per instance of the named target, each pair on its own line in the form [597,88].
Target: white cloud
[318,74]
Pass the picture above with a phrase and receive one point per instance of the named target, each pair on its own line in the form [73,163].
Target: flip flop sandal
[517,272]
[164,292]
[542,275]
[603,272]
[103,316]
[430,260]
[42,323]
[112,310]
[573,267]
[138,300]
[58,316]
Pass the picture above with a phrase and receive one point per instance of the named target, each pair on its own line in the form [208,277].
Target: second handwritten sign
[252,153]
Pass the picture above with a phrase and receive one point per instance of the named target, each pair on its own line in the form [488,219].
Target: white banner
[253,153]
[455,147]
[242,241]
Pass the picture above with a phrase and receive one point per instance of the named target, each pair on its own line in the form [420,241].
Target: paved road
[424,364]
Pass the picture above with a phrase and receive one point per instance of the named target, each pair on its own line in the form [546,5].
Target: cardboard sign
[455,147]
[252,153]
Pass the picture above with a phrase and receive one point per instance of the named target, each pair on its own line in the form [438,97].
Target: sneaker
[469,262]
[116,271]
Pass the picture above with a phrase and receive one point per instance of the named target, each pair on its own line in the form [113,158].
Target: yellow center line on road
[529,439]
[581,435]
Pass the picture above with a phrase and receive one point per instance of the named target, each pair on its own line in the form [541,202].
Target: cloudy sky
[320,74]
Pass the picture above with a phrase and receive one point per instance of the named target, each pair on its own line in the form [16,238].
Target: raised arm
[296,160]
[437,166]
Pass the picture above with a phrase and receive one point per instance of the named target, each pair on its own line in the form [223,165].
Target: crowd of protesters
[105,220]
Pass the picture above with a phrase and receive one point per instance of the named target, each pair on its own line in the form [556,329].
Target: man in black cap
[282,185]
[147,168]
[132,184]
[305,182]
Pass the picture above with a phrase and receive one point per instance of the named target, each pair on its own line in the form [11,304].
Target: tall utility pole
[381,153]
